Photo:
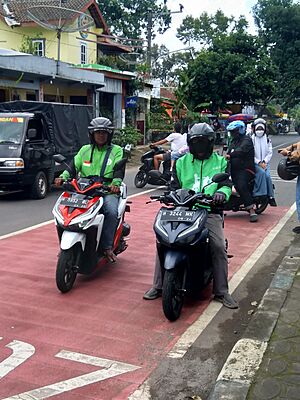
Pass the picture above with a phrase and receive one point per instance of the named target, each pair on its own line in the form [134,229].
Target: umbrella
[241,117]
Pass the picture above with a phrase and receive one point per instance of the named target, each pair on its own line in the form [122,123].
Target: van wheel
[39,186]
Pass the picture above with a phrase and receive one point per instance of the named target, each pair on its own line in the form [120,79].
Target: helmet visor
[201,148]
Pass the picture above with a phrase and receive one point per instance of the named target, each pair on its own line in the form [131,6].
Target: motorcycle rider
[194,171]
[99,158]
[240,154]
[262,156]
[176,140]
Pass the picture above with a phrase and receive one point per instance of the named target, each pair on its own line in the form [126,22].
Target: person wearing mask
[262,156]
[99,158]
[194,171]
[240,155]
[176,140]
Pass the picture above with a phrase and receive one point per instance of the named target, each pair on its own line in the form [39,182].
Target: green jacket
[195,174]
[85,165]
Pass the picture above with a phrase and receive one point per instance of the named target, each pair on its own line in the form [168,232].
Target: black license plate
[73,202]
[178,216]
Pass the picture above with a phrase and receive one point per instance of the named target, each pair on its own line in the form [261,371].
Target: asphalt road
[18,212]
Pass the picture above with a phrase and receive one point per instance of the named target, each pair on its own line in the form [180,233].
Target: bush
[128,135]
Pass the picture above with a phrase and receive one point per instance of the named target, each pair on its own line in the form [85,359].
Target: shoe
[226,300]
[152,294]
[296,229]
[110,255]
[253,217]
[272,202]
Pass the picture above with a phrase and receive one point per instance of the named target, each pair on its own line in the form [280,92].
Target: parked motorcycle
[79,222]
[142,177]
[183,245]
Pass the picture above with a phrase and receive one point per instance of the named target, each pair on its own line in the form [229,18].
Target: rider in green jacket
[194,171]
[99,158]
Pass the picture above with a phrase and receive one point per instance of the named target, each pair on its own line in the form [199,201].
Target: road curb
[238,372]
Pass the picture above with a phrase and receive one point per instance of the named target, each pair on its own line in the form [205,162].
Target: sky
[196,8]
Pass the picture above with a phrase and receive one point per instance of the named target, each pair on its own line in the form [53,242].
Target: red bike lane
[101,340]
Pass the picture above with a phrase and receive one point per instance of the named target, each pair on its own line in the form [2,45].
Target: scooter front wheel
[66,269]
[261,205]
[172,294]
[141,179]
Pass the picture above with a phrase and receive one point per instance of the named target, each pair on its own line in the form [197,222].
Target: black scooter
[235,202]
[183,245]
[143,177]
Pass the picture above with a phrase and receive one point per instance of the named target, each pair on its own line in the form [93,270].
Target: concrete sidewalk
[265,363]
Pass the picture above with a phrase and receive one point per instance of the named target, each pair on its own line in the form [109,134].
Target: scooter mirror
[218,178]
[59,158]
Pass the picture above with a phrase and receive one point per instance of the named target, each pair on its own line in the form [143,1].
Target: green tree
[129,18]
[232,66]
[278,22]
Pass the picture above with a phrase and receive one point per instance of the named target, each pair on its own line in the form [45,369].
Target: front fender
[173,258]
[68,240]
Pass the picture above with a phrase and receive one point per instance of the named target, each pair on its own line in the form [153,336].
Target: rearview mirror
[218,178]
[59,158]
[32,133]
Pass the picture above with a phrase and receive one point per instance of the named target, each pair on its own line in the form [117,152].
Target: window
[83,53]
[39,47]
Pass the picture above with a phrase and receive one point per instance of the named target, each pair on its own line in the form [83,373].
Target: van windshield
[11,130]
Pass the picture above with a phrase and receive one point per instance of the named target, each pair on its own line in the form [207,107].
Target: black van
[30,133]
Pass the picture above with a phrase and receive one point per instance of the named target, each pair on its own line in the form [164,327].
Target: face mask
[259,133]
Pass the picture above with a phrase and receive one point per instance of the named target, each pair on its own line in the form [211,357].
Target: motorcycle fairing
[173,258]
[68,240]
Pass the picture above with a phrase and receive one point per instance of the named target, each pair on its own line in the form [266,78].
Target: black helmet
[101,124]
[287,169]
[201,139]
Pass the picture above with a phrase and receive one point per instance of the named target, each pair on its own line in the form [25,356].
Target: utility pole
[149,33]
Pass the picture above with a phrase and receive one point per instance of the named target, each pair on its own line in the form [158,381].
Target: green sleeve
[225,189]
[77,164]
[118,157]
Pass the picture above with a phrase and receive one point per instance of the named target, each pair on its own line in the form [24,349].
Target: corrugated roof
[19,8]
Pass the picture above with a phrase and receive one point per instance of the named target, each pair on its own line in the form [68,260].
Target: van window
[36,124]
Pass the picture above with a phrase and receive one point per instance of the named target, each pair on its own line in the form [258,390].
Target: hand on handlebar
[114,189]
[219,198]
[58,182]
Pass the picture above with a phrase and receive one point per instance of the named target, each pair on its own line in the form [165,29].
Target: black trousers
[241,180]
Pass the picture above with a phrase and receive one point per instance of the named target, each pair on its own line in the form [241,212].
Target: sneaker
[272,202]
[253,217]
[152,294]
[296,229]
[226,300]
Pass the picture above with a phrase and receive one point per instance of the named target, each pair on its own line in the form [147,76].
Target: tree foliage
[130,18]
[278,22]
[232,66]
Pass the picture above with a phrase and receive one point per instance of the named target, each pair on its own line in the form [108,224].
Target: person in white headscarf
[262,156]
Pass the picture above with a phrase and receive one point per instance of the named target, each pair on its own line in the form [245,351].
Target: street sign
[131,102]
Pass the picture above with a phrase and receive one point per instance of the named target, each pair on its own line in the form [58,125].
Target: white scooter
[79,223]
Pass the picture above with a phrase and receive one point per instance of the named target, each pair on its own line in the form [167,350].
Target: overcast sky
[196,8]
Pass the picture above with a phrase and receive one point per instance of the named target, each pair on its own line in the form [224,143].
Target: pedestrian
[194,171]
[293,153]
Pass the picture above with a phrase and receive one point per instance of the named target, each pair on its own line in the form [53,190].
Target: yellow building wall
[13,38]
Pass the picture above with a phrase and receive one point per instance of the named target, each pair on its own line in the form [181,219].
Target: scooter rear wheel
[172,297]
[66,269]
[141,179]
[260,206]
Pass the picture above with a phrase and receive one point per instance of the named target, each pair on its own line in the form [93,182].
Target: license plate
[178,216]
[73,202]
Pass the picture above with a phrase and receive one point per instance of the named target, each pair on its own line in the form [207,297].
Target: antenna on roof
[60,19]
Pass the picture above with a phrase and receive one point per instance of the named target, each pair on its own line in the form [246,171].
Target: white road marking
[52,221]
[110,369]
[21,352]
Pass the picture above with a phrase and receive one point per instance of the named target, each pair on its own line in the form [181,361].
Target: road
[101,341]
[18,212]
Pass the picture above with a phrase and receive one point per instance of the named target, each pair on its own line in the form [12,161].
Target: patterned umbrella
[241,117]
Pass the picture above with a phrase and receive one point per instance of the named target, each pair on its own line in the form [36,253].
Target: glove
[219,198]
